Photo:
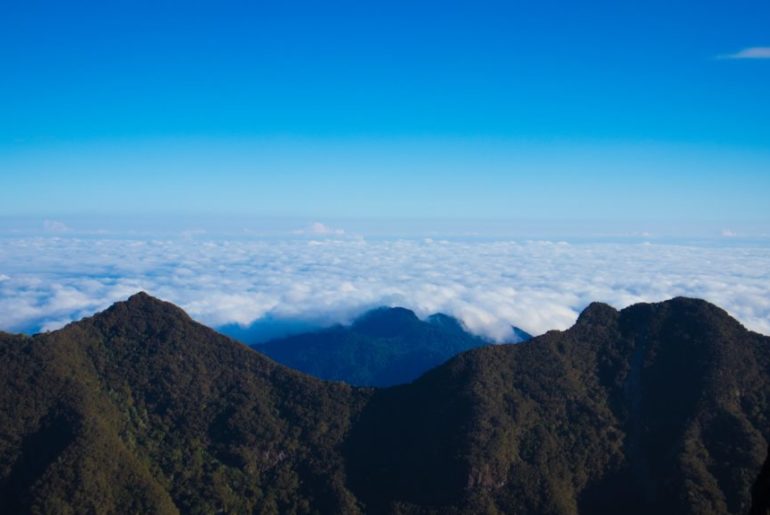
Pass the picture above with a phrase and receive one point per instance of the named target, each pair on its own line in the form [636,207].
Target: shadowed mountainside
[383,347]
[656,408]
[761,492]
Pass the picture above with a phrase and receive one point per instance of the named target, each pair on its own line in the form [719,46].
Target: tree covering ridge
[655,408]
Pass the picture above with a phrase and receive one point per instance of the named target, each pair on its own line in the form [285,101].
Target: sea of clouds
[46,282]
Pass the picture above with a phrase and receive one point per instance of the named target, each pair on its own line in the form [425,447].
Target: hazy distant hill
[385,346]
[659,408]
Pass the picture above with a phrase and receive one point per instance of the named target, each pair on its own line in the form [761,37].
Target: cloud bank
[490,285]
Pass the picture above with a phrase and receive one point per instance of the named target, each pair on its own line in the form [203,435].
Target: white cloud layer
[750,53]
[47,282]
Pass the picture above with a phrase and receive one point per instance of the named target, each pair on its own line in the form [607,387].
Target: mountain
[383,347]
[141,410]
[761,492]
[659,408]
[656,408]
[520,335]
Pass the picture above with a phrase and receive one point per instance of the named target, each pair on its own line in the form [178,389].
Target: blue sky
[631,112]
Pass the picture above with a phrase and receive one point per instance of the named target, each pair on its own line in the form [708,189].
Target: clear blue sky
[539,110]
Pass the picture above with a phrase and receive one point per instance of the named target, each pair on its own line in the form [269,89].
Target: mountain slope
[760,494]
[383,347]
[656,408]
[140,409]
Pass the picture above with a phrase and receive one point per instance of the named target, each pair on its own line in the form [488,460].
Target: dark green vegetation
[385,346]
[657,408]
[761,492]
[139,410]
[661,408]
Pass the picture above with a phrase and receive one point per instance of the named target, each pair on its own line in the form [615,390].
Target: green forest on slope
[658,407]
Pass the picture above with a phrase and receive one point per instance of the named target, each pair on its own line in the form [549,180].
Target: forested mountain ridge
[656,408]
[140,409]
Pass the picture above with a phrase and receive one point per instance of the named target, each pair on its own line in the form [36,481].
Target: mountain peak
[383,347]
[145,302]
[142,313]
[144,299]
[696,306]
[597,313]
[684,308]
[385,321]
[140,296]
[445,321]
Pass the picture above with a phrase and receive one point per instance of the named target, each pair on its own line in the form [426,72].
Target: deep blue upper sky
[356,109]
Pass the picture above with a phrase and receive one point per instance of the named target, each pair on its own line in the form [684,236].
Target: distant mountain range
[658,408]
[383,347]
